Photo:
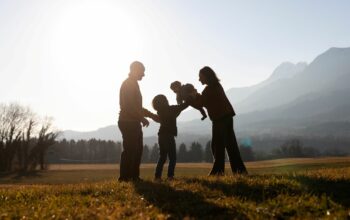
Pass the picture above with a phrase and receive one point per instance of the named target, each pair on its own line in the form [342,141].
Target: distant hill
[329,71]
[186,135]
[296,99]
[317,95]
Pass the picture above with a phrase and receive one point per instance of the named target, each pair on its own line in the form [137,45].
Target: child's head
[175,86]
[159,102]
[189,89]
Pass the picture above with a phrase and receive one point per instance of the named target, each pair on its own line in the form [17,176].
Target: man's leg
[127,129]
[236,162]
[137,155]
[172,156]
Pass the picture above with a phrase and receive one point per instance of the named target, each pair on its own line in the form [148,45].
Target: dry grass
[280,189]
[250,165]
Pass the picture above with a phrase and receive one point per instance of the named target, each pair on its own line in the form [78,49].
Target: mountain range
[297,99]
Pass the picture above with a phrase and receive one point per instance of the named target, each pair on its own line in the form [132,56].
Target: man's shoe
[157,179]
[171,178]
[241,172]
[216,174]
[137,179]
[123,179]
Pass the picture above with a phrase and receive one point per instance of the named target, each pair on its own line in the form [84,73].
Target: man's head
[175,86]
[137,70]
[159,102]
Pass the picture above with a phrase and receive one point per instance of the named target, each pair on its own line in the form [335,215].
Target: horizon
[68,59]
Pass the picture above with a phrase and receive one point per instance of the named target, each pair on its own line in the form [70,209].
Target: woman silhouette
[221,113]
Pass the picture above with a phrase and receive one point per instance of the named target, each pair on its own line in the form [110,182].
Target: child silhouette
[167,132]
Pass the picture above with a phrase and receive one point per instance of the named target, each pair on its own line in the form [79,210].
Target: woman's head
[208,76]
[159,102]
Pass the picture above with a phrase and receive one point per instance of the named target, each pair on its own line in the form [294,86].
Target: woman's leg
[218,149]
[236,162]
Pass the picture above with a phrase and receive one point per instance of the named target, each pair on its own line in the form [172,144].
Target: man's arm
[149,114]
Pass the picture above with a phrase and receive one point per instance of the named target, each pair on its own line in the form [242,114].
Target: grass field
[287,188]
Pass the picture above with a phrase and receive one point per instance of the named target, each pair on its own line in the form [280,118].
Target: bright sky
[67,59]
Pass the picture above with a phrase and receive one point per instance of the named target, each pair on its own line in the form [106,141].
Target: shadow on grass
[338,190]
[33,173]
[19,175]
[6,174]
[252,192]
[179,203]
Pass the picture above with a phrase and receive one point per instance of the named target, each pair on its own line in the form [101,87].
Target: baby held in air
[186,93]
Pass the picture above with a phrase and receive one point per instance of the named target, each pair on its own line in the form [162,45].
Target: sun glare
[88,36]
[90,43]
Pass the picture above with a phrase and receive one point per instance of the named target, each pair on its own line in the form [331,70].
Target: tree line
[24,138]
[296,148]
[101,151]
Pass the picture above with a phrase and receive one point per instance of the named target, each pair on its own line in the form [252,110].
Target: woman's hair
[210,75]
[159,102]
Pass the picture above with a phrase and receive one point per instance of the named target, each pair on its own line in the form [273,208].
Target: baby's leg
[204,115]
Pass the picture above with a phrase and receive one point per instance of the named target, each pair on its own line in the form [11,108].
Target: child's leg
[201,109]
[162,156]
[172,156]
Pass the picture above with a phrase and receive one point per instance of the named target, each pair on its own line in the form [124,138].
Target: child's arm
[177,109]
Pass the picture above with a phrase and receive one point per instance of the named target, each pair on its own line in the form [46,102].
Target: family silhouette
[133,116]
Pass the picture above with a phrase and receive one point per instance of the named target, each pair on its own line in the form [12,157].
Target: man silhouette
[131,116]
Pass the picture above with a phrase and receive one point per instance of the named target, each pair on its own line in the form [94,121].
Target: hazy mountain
[283,71]
[306,111]
[326,72]
[296,99]
[150,134]
[286,70]
[111,132]
[106,133]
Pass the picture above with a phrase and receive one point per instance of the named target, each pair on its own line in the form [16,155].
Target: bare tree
[22,144]
[30,124]
[46,138]
[11,133]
